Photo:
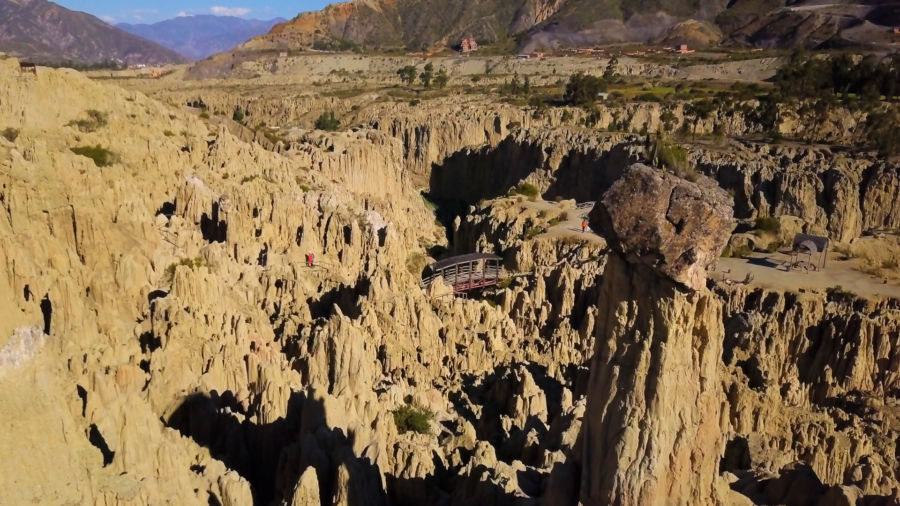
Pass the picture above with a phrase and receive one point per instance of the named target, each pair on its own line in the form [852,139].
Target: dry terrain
[163,339]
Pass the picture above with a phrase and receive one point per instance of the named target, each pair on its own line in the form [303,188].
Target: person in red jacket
[583,226]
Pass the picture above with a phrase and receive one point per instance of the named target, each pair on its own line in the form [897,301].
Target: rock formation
[163,338]
[672,225]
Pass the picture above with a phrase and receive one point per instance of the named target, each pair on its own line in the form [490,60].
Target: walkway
[465,272]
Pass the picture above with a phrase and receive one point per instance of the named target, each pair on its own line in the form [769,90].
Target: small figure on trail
[309,259]
[312,259]
[583,226]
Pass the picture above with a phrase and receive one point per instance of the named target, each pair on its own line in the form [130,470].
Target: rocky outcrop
[164,340]
[655,395]
[669,224]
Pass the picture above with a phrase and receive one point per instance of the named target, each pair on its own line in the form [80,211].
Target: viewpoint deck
[466,272]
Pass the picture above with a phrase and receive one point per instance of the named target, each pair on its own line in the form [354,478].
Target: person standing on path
[583,226]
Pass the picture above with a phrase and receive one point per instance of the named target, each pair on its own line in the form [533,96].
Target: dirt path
[571,227]
[768,271]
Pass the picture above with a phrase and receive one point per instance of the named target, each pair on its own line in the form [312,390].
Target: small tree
[700,110]
[611,69]
[238,114]
[441,79]
[407,74]
[426,77]
[327,121]
[582,89]
[881,129]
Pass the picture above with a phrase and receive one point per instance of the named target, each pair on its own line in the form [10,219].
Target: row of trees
[427,77]
[869,77]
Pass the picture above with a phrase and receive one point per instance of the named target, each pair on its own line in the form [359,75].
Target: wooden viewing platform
[465,272]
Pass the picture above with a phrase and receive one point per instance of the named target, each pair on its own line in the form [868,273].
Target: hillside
[48,33]
[201,36]
[533,24]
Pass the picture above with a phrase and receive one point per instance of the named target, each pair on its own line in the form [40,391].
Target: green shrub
[190,263]
[534,231]
[672,157]
[94,121]
[11,134]
[554,221]
[527,189]
[582,89]
[168,133]
[237,115]
[326,121]
[504,283]
[101,156]
[413,418]
[768,224]
[204,115]
[567,116]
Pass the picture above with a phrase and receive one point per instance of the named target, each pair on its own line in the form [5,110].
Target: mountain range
[532,24]
[198,37]
[45,32]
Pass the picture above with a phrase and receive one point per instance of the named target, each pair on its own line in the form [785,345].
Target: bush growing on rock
[413,418]
[92,123]
[101,156]
[326,121]
[11,134]
[190,263]
[527,189]
[768,224]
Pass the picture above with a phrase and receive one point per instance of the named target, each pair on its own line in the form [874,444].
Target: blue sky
[151,11]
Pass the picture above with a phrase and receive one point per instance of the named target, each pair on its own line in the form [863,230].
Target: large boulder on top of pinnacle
[675,226]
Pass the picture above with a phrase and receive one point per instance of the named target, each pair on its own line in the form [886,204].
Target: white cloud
[182,14]
[218,10]
[109,19]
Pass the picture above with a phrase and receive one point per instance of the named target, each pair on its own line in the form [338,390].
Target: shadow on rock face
[216,422]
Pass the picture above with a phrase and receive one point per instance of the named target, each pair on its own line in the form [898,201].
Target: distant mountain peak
[47,32]
[201,35]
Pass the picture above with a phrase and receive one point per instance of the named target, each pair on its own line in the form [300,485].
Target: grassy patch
[95,120]
[527,189]
[190,263]
[534,231]
[504,283]
[413,418]
[101,156]
[10,134]
[326,121]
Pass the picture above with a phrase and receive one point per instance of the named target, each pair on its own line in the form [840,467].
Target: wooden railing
[465,277]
